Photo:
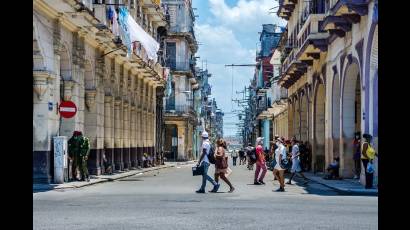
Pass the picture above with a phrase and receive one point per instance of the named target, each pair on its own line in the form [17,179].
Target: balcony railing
[186,66]
[179,109]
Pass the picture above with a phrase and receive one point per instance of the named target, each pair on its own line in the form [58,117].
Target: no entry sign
[67,109]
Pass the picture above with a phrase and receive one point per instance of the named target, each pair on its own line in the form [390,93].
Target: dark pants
[357,167]
[369,176]
[234,160]
[83,169]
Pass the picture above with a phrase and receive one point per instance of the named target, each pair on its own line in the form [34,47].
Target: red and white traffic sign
[67,109]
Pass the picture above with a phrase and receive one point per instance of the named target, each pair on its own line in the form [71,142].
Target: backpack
[252,155]
[211,155]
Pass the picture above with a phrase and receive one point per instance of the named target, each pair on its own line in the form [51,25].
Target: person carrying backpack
[260,162]
[207,158]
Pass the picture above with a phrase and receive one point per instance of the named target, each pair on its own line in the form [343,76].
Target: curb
[102,179]
[346,191]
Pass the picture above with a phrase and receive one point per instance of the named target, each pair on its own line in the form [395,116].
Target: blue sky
[227,31]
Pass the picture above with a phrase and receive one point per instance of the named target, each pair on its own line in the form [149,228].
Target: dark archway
[318,154]
[336,116]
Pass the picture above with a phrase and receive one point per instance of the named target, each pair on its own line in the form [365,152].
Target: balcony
[179,110]
[184,67]
[286,8]
[187,32]
[306,46]
[342,14]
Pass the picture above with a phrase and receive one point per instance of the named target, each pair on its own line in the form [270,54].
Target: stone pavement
[345,186]
[105,178]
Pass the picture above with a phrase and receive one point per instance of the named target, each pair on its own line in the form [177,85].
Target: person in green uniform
[78,149]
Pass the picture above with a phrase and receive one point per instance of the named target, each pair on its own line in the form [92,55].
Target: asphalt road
[166,200]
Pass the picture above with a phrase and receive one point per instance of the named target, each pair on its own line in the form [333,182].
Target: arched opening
[296,121]
[290,119]
[351,117]
[304,118]
[318,153]
[336,116]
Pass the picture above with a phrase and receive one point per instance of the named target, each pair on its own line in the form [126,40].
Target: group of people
[78,151]
[254,156]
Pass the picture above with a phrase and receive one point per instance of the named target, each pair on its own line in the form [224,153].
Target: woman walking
[278,170]
[260,163]
[296,163]
[221,165]
[367,157]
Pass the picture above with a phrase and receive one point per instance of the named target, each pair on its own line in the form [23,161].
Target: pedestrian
[296,162]
[302,156]
[250,156]
[221,165]
[279,169]
[73,154]
[356,155]
[241,157]
[234,156]
[368,154]
[204,162]
[333,169]
[107,165]
[308,156]
[260,162]
[79,149]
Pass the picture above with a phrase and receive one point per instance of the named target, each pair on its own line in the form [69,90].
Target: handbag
[198,170]
[285,163]
[370,168]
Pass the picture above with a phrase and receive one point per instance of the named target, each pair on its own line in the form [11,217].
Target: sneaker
[289,182]
[231,190]
[200,191]
[256,183]
[280,190]
[216,187]
[261,181]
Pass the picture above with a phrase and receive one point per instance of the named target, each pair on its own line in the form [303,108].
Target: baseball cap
[205,134]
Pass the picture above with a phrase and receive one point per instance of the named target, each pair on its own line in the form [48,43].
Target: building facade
[104,58]
[181,46]
[330,70]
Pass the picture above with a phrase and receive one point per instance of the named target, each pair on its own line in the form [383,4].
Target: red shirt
[260,156]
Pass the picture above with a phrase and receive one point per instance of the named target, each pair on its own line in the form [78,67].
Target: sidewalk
[346,186]
[104,178]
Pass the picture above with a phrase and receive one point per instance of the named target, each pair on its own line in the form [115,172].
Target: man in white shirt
[234,156]
[204,162]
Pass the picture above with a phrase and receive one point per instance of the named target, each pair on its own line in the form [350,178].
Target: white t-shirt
[280,150]
[206,145]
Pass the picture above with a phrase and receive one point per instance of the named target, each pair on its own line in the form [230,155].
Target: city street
[166,199]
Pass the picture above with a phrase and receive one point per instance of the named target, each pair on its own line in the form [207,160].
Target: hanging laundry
[124,29]
[115,25]
[137,33]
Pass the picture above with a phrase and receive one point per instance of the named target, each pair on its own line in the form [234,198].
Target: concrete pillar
[181,142]
[126,139]
[266,133]
[108,129]
[119,165]
[42,120]
[90,131]
[133,136]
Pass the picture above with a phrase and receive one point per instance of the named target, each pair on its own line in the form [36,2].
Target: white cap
[204,134]
[259,139]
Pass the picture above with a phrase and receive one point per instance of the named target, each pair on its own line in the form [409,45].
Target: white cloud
[245,14]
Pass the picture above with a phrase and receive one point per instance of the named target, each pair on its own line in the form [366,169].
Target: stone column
[181,142]
[119,165]
[126,139]
[133,142]
[139,94]
[42,118]
[108,132]
[90,131]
